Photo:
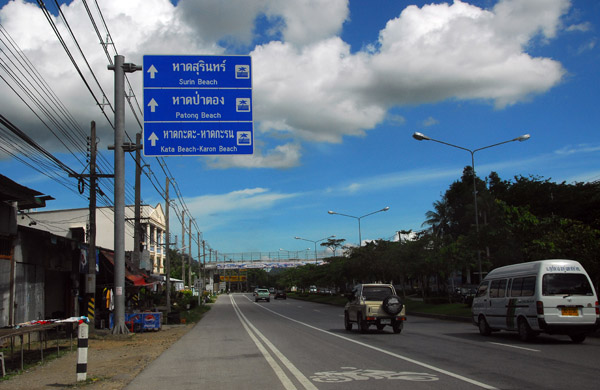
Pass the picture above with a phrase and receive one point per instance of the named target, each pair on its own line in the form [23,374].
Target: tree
[439,220]
[333,244]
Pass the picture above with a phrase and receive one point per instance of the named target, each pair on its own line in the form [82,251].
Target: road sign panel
[194,139]
[190,71]
[197,105]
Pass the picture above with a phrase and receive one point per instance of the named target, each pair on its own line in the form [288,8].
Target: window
[5,247]
[481,291]
[498,288]
[523,287]
[566,284]
[77,234]
[528,286]
[376,293]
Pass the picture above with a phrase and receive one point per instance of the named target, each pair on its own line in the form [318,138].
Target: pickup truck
[262,294]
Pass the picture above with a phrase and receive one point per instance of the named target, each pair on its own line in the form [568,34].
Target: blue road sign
[197,105]
[185,71]
[193,139]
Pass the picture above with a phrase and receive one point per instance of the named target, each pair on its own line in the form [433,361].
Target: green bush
[183,299]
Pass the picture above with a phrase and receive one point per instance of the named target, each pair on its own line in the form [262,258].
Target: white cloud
[460,51]
[587,46]
[582,27]
[308,21]
[234,20]
[308,85]
[431,121]
[577,149]
[377,183]
[282,156]
[310,91]
[219,209]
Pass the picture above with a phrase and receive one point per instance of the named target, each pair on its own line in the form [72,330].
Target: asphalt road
[290,344]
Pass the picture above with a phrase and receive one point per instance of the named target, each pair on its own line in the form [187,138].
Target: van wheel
[577,338]
[525,332]
[484,328]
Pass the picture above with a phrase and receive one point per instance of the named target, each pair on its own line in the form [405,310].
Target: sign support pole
[120,67]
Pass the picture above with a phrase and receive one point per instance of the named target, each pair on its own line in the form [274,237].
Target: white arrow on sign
[152,105]
[153,138]
[152,70]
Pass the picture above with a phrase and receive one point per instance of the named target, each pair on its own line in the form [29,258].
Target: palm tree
[439,221]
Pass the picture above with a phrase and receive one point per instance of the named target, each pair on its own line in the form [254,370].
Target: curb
[595,334]
[441,317]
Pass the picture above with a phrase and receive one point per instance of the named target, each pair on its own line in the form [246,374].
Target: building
[27,260]
[74,224]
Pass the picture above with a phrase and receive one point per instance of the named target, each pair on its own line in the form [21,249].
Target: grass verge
[195,314]
[412,306]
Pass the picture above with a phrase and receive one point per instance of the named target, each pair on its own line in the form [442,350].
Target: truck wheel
[397,326]
[362,324]
[347,323]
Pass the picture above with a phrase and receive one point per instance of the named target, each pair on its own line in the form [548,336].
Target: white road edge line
[287,383]
[515,346]
[304,381]
[425,365]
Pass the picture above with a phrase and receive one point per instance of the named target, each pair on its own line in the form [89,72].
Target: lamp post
[358,219]
[314,242]
[422,137]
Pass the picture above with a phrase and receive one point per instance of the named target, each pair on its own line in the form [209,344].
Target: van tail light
[539,305]
[597,309]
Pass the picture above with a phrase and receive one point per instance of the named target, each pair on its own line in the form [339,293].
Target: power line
[22,72]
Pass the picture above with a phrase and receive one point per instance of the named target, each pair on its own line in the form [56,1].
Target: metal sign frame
[197,105]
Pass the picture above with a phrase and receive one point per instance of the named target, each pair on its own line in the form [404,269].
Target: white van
[547,296]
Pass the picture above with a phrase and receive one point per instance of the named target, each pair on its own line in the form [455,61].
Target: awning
[136,279]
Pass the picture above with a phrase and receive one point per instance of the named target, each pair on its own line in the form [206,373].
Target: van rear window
[566,284]
[523,287]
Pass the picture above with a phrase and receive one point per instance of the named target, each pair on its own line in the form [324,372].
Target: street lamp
[314,242]
[422,137]
[359,218]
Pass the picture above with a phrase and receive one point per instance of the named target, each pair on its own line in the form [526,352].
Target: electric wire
[63,116]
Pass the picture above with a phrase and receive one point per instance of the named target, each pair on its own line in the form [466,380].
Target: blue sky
[339,88]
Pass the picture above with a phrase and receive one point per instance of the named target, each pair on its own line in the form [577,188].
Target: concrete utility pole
[209,260]
[90,286]
[199,278]
[90,282]
[203,265]
[190,253]
[120,67]
[137,230]
[183,247]
[167,246]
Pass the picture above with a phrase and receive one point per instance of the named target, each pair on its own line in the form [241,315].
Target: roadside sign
[197,105]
